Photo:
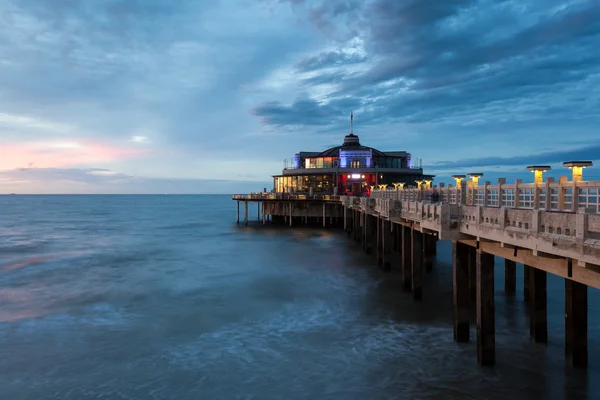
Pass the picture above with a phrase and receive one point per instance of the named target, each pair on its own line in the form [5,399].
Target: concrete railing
[564,195]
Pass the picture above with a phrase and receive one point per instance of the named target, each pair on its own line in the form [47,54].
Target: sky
[211,96]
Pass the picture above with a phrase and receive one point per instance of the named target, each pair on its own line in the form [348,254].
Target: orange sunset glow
[63,153]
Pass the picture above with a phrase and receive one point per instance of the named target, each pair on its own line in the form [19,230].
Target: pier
[547,226]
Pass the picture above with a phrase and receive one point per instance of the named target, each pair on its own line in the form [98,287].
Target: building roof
[351,142]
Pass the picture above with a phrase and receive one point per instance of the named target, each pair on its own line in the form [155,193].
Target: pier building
[348,169]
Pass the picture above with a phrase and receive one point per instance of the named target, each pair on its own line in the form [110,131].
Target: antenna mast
[351,118]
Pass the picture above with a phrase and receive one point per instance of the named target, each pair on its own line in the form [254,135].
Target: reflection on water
[165,297]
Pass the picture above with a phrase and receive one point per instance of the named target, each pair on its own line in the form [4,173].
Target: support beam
[324,215]
[510,277]
[538,308]
[406,259]
[576,324]
[246,213]
[263,213]
[238,211]
[417,265]
[486,323]
[460,291]
[258,210]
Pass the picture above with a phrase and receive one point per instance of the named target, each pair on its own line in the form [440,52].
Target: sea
[166,297]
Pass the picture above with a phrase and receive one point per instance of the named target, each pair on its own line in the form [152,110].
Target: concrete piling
[417,264]
[460,291]
[485,310]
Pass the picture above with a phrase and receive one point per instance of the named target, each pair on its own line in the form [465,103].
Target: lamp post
[538,171]
[474,178]
[577,168]
[458,179]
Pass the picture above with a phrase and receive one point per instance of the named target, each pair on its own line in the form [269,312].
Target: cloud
[453,61]
[182,89]
[586,153]
[97,181]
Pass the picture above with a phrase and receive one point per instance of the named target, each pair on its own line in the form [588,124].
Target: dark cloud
[329,59]
[586,153]
[433,60]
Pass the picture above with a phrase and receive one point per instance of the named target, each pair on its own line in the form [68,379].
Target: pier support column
[246,213]
[406,258]
[427,252]
[526,276]
[576,324]
[345,219]
[472,260]
[387,245]
[486,323]
[417,264]
[538,307]
[379,241]
[291,218]
[324,214]
[460,290]
[263,212]
[258,210]
[238,211]
[510,277]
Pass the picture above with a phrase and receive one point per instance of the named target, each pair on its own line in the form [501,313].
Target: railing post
[463,193]
[501,181]
[549,181]
[561,195]
[485,193]
[517,194]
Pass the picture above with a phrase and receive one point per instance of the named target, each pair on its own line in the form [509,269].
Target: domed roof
[351,142]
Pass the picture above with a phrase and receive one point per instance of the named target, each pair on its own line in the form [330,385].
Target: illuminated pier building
[350,169]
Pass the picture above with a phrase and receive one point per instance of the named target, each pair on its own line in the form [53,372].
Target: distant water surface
[165,297]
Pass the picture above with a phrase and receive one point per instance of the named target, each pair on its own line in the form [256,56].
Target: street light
[577,167]
[474,177]
[458,179]
[538,170]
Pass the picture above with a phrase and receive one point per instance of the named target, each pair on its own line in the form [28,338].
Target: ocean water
[165,297]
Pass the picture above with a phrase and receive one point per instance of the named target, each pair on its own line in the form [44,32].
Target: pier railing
[284,196]
[564,195]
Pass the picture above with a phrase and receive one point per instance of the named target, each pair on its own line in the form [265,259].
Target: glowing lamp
[538,171]
[475,177]
[419,183]
[428,183]
[577,168]
[458,179]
